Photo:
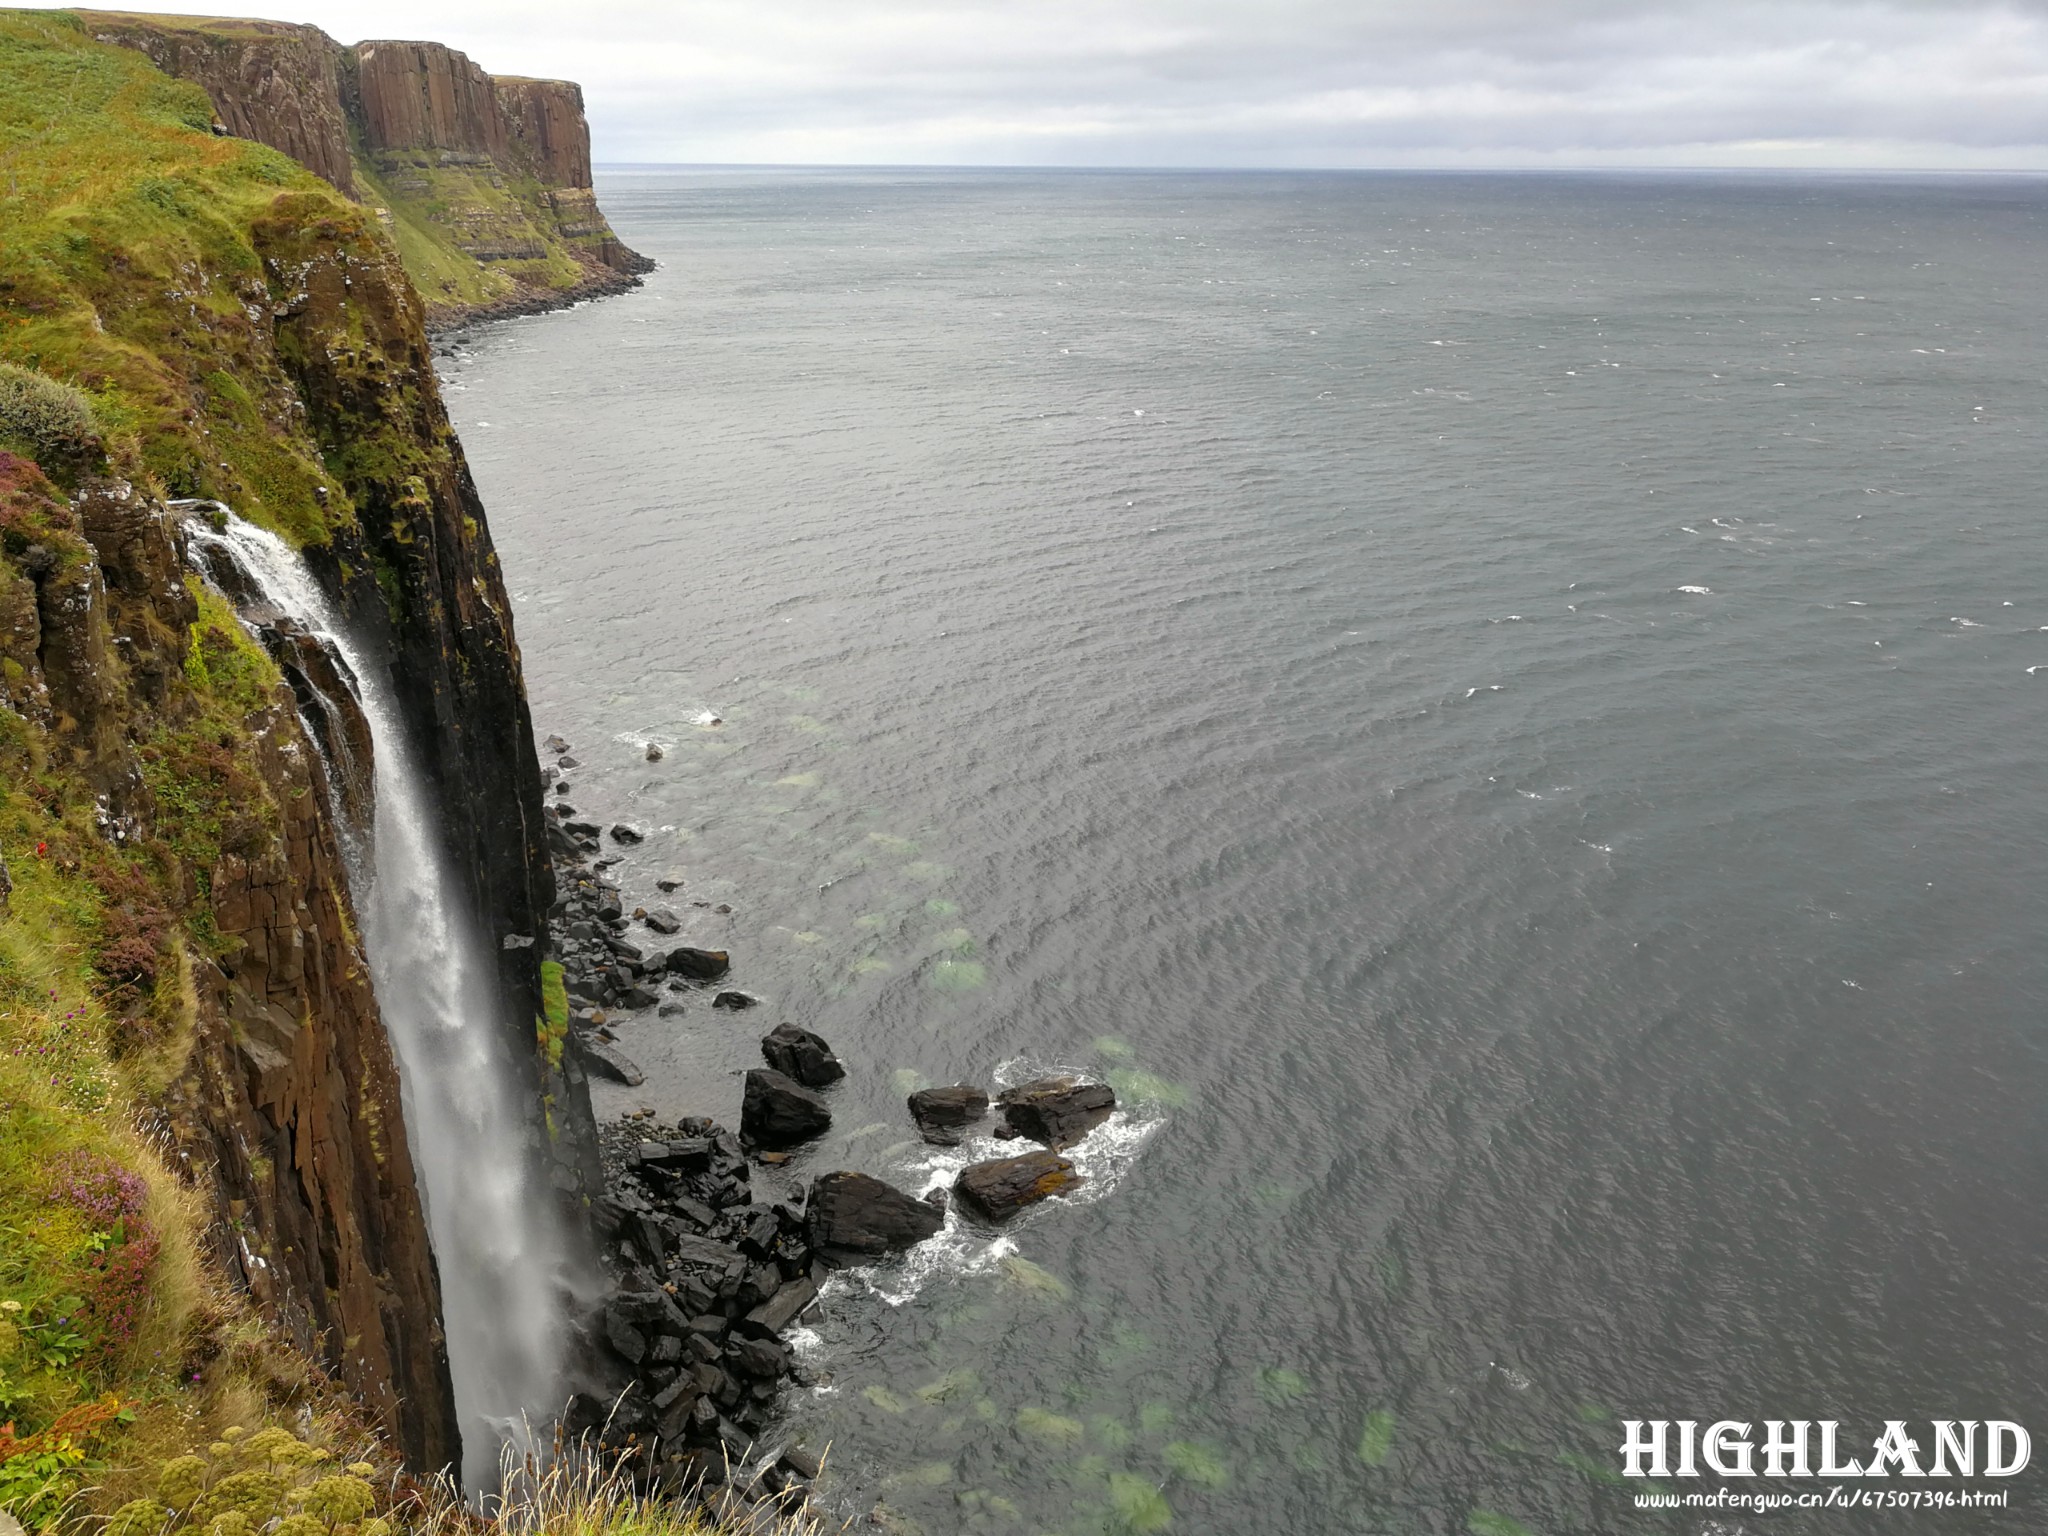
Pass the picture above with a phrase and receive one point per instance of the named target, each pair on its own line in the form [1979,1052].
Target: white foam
[1698,591]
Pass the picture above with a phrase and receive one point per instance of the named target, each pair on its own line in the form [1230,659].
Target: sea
[1504,714]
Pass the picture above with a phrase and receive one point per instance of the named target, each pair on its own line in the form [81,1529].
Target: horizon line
[1324,170]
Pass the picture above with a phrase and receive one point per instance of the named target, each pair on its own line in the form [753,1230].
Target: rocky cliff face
[272,81]
[286,1095]
[489,176]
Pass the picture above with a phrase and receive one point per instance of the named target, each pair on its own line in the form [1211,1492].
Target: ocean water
[1506,713]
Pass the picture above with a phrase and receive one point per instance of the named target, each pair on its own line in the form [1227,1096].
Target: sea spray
[497,1239]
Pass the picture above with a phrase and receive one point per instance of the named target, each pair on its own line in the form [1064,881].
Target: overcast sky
[1934,83]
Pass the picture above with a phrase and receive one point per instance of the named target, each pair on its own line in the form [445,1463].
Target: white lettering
[1995,1432]
[1963,1448]
[1723,1438]
[1685,1448]
[1646,1439]
[1828,1466]
[1778,1445]
[1893,1446]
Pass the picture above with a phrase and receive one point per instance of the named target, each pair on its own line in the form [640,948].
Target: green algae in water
[799,780]
[871,967]
[1594,1413]
[908,1080]
[1126,1343]
[1309,1458]
[1113,1048]
[959,975]
[1275,1196]
[808,936]
[1278,1384]
[950,1385]
[1035,1278]
[958,940]
[1393,1273]
[1140,1507]
[1378,1438]
[1484,1522]
[1197,1462]
[884,1399]
[1111,1434]
[874,922]
[1156,1418]
[807,725]
[927,873]
[1135,1087]
[931,1474]
[889,843]
[1044,1424]
[985,1409]
[938,906]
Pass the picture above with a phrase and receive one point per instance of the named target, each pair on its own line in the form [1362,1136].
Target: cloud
[1276,82]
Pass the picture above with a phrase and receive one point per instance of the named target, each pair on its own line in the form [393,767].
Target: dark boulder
[556,744]
[668,883]
[621,833]
[736,1001]
[661,920]
[603,1060]
[943,1114]
[796,1052]
[779,1112]
[700,964]
[998,1190]
[1057,1111]
[781,1309]
[855,1219]
[637,997]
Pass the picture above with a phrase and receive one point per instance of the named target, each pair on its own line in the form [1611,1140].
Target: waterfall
[498,1241]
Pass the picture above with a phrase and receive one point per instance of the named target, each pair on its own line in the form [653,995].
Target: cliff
[201,1100]
[484,182]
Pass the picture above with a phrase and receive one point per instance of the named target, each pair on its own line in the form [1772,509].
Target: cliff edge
[206,1184]
[483,181]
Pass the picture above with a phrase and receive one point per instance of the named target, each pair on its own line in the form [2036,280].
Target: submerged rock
[653,752]
[853,1218]
[736,1001]
[999,1189]
[779,1112]
[1057,1111]
[943,1114]
[621,833]
[699,964]
[796,1052]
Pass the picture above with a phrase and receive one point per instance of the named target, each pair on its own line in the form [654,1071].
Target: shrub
[48,421]
[243,1484]
[112,1199]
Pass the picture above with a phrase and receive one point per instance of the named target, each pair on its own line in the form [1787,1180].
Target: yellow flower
[181,1481]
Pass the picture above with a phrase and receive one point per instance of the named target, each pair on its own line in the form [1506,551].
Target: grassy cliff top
[128,271]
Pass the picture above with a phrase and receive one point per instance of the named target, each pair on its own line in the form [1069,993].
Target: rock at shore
[779,1112]
[604,1060]
[855,1219]
[1056,1111]
[735,1001]
[621,833]
[698,964]
[943,1114]
[663,921]
[796,1052]
[1000,1189]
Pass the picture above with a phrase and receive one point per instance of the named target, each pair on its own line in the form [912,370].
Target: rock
[653,752]
[803,1463]
[607,1060]
[580,828]
[757,1358]
[855,1219]
[637,997]
[781,1309]
[567,762]
[1057,1111]
[724,909]
[798,1053]
[556,744]
[669,1010]
[778,1112]
[662,921]
[668,884]
[701,964]
[621,833]
[943,1114]
[734,1000]
[1001,1188]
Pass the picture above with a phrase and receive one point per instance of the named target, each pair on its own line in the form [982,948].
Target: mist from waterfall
[498,1241]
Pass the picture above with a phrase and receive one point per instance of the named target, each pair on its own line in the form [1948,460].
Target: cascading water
[497,1240]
